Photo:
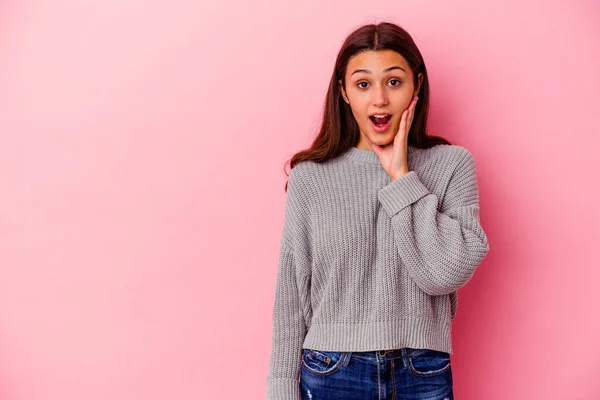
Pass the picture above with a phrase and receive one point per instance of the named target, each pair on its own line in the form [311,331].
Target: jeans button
[382,352]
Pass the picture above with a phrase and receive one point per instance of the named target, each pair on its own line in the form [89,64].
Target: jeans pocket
[321,362]
[426,362]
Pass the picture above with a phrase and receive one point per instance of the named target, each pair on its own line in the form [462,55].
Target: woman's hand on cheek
[394,157]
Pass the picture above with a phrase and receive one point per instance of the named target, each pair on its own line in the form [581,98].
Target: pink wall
[141,153]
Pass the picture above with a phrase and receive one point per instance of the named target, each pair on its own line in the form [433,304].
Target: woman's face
[378,83]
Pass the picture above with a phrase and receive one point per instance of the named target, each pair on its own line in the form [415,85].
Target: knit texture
[367,263]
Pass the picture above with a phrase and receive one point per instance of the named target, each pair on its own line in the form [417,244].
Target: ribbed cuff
[402,192]
[283,389]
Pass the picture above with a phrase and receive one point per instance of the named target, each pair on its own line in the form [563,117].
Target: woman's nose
[379,96]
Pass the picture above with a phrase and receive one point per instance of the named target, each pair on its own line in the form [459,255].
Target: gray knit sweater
[367,263]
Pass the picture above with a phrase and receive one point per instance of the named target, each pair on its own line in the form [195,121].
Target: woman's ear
[343,92]
[420,78]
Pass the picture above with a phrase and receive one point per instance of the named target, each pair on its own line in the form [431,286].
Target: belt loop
[404,357]
[346,358]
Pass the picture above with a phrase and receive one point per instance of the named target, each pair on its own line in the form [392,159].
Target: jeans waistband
[381,354]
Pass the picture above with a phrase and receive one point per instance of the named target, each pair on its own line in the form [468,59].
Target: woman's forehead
[377,62]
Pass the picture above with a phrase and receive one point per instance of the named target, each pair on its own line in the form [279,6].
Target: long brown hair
[339,130]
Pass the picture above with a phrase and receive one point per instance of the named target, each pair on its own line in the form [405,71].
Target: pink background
[142,146]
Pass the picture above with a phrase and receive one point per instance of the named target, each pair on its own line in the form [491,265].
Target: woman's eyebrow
[366,71]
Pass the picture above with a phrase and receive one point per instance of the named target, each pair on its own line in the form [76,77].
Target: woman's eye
[363,85]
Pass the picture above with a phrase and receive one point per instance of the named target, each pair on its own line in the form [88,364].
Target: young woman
[381,229]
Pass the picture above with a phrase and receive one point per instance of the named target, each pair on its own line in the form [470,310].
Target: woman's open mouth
[380,123]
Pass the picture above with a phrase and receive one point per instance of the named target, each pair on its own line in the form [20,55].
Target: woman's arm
[291,308]
[289,329]
[441,249]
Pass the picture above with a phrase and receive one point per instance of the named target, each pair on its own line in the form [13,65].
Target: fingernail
[416,99]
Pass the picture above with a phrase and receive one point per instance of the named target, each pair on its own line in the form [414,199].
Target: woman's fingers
[407,117]
[412,113]
[403,119]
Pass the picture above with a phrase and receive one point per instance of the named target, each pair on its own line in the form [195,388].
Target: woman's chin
[382,139]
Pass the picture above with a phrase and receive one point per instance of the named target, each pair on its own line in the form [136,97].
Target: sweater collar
[369,156]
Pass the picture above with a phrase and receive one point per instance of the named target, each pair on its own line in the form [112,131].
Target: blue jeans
[401,374]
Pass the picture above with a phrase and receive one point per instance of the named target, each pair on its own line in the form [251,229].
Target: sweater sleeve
[441,249]
[291,309]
